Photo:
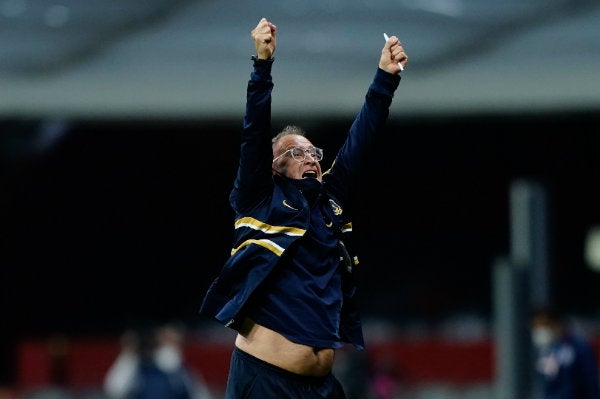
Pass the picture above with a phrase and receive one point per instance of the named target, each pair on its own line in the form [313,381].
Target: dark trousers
[252,378]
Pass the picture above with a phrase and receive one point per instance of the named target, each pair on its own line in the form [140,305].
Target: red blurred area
[83,362]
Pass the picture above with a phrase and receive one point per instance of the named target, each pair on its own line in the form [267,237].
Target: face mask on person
[542,337]
[168,358]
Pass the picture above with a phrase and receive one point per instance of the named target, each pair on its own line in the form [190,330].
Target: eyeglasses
[299,153]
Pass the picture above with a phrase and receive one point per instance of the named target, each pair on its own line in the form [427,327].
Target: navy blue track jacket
[272,213]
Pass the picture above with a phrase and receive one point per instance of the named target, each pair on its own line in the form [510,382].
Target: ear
[275,170]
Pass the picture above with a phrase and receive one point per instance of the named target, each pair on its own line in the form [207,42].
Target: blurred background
[119,134]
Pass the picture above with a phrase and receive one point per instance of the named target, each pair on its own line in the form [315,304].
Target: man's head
[294,156]
[547,325]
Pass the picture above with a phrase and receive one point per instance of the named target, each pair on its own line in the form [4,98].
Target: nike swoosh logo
[288,205]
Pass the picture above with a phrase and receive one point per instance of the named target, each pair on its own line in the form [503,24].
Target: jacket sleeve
[367,127]
[254,176]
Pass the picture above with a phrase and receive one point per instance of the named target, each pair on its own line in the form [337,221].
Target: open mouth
[309,173]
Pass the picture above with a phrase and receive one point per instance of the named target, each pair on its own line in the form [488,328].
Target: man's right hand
[265,39]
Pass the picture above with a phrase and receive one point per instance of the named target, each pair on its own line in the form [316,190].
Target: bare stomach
[274,348]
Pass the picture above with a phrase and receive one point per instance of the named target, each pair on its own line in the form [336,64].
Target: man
[151,366]
[287,288]
[566,361]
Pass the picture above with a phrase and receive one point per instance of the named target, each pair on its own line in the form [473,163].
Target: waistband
[305,379]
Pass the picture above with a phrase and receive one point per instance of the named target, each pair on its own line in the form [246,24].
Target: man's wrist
[255,58]
[262,68]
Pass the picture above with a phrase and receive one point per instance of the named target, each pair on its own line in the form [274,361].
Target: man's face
[295,157]
[543,332]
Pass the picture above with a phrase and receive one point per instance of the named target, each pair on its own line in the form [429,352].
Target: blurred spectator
[565,359]
[152,367]
[119,378]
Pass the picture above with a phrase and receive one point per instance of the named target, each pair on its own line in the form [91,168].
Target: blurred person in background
[151,366]
[565,360]
[288,288]
[118,381]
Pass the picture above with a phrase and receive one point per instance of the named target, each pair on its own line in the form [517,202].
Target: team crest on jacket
[337,210]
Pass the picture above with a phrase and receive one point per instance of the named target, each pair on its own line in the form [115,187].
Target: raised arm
[254,177]
[369,123]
